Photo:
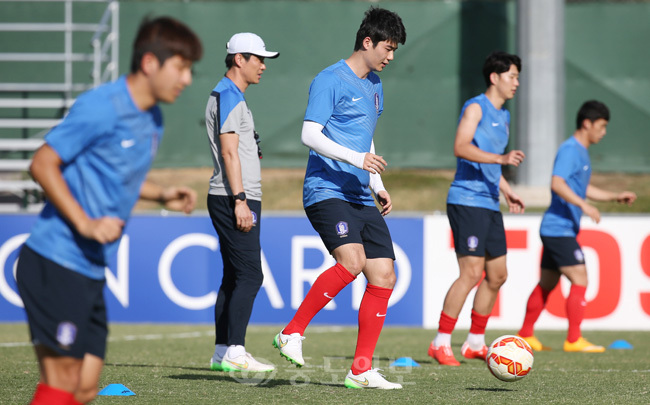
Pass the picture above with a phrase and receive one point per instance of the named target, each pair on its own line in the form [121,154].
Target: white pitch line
[129,338]
[15,344]
[160,336]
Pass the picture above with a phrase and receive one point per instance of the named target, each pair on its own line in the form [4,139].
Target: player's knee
[85,394]
[252,279]
[257,279]
[390,280]
[354,264]
[499,280]
[471,276]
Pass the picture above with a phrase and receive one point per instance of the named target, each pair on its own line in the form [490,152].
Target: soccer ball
[509,358]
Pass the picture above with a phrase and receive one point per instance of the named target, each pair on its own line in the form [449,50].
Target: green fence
[425,86]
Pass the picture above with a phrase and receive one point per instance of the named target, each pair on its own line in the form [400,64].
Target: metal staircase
[28,109]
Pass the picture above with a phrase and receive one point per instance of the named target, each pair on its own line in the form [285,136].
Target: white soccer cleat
[245,362]
[370,379]
[290,347]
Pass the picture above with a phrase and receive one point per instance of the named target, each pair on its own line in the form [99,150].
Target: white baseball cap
[247,42]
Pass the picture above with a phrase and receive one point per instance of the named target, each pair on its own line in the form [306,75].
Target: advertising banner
[168,269]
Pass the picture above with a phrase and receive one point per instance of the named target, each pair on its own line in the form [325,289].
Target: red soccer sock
[446,324]
[575,311]
[326,286]
[479,323]
[372,313]
[47,395]
[535,306]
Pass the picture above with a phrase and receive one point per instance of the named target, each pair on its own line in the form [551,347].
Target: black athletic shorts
[65,309]
[340,222]
[560,252]
[477,231]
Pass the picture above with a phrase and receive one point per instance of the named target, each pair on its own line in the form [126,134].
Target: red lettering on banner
[515,239]
[609,274]
[645,266]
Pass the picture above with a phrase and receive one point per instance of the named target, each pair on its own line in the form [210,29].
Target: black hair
[165,37]
[230,58]
[592,110]
[380,25]
[499,62]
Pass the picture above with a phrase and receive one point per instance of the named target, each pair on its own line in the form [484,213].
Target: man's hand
[103,230]
[374,163]
[244,216]
[383,198]
[626,197]
[592,212]
[179,199]
[515,203]
[513,158]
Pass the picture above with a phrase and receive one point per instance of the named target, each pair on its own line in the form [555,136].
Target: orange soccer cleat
[468,353]
[443,354]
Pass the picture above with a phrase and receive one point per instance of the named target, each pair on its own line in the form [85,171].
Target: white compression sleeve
[313,137]
[375,179]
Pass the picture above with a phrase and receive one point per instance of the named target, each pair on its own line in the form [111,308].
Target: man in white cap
[234,200]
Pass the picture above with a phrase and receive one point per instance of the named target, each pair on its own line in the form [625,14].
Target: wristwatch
[241,196]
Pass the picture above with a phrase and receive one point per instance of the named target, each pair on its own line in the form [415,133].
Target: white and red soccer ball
[509,358]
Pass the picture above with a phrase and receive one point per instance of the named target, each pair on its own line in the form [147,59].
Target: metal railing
[58,95]
[104,42]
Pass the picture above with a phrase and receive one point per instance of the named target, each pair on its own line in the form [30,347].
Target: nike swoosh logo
[282,344]
[327,296]
[239,365]
[127,143]
[356,99]
[495,124]
[380,315]
[364,382]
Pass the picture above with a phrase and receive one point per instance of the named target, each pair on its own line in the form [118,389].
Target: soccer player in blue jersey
[473,207]
[562,255]
[235,200]
[345,101]
[92,168]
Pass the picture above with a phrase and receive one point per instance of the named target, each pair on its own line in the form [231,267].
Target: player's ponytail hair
[165,37]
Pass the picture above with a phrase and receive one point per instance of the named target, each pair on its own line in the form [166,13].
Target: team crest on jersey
[377,102]
[472,243]
[342,229]
[254,218]
[579,255]
[66,334]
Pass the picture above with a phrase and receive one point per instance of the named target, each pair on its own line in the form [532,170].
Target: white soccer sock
[442,339]
[235,351]
[475,341]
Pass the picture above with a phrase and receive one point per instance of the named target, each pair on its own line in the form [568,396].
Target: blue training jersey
[107,145]
[348,107]
[477,184]
[572,163]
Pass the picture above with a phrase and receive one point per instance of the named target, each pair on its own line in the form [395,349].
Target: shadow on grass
[267,381]
[489,389]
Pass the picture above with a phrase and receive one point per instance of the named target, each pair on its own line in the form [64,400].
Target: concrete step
[18,185]
[43,87]
[14,165]
[28,122]
[16,145]
[36,102]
